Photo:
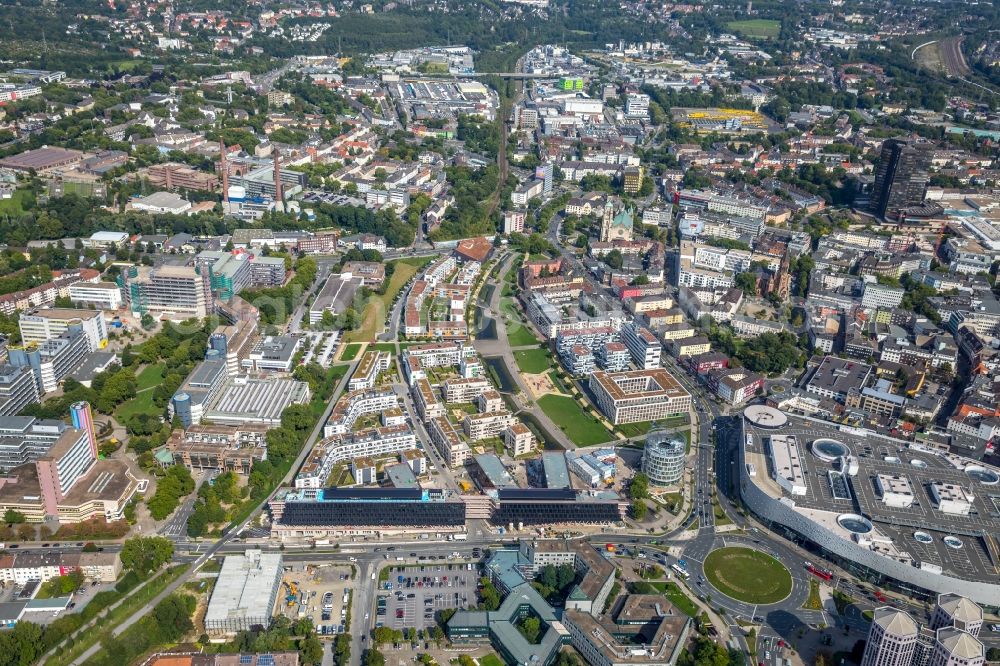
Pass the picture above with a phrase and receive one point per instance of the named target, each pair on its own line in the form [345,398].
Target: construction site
[321,592]
[723,121]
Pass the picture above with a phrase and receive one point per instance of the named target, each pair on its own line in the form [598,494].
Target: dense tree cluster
[357,219]
[554,583]
[169,621]
[209,509]
[143,555]
[282,635]
[174,485]
[480,136]
[706,652]
[489,596]
[769,353]
[469,216]
[915,298]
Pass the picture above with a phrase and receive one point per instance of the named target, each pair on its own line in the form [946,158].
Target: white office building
[44,324]
[101,295]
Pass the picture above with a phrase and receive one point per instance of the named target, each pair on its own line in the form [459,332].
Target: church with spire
[616,227]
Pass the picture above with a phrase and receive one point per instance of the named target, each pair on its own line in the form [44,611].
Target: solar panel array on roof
[372,493]
[540,494]
[246,658]
[377,511]
[265,660]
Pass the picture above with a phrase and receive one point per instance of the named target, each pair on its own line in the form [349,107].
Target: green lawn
[533,361]
[579,426]
[142,403]
[391,346]
[351,352]
[15,205]
[518,335]
[748,575]
[490,660]
[376,310]
[634,429]
[681,600]
[150,377]
[765,28]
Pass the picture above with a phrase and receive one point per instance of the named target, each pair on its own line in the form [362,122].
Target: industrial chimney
[279,198]
[224,167]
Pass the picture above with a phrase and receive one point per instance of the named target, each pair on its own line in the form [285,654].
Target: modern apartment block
[518,439]
[371,365]
[465,390]
[426,401]
[370,442]
[487,425]
[353,405]
[449,444]
[639,395]
[643,346]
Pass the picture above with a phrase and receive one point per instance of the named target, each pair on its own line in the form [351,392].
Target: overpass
[508,75]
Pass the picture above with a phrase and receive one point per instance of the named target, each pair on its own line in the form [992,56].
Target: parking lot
[318,592]
[423,591]
[772,650]
[13,593]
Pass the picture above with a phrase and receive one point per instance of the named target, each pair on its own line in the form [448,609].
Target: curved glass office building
[663,459]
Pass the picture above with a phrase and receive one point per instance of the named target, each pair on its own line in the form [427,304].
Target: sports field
[764,28]
[579,426]
[748,575]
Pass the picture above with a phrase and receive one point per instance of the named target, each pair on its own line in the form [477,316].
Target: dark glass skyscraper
[901,177]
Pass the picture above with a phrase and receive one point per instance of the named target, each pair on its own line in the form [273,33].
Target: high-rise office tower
[901,178]
[955,647]
[954,610]
[892,639]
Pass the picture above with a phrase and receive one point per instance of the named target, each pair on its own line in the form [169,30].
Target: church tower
[607,220]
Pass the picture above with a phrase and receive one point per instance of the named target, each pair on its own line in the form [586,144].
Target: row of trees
[283,635]
[638,492]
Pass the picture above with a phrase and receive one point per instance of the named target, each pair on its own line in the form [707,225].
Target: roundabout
[747,575]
